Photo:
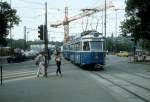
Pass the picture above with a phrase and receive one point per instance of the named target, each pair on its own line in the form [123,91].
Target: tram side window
[64,48]
[78,46]
[68,47]
[71,47]
[86,46]
[75,47]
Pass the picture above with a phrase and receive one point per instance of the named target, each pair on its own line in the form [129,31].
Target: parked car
[15,59]
[123,54]
[30,54]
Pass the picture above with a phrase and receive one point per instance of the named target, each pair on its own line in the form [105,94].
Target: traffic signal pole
[46,42]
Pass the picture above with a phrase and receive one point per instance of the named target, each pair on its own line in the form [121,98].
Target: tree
[17,43]
[116,44]
[137,21]
[8,19]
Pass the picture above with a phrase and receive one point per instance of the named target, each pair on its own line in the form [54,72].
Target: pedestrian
[37,60]
[40,59]
[58,63]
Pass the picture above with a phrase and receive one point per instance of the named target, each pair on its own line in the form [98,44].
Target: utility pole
[10,31]
[27,39]
[105,26]
[46,42]
[27,36]
[116,30]
[1,66]
[25,44]
[102,22]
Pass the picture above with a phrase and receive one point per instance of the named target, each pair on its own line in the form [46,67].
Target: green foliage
[119,44]
[146,45]
[20,43]
[137,21]
[8,19]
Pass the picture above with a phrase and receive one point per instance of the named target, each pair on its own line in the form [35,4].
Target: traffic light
[41,32]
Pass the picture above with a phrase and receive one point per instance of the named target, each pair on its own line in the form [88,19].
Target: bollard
[1,75]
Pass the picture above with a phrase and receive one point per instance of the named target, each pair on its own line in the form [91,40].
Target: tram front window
[86,46]
[96,46]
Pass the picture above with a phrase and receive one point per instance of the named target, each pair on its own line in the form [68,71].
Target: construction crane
[86,12]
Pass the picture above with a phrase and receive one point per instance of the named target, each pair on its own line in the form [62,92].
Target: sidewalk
[3,59]
[139,59]
[34,90]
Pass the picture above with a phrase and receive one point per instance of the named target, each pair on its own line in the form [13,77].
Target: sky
[31,13]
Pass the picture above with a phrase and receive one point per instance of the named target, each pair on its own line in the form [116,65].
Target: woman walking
[40,59]
[58,63]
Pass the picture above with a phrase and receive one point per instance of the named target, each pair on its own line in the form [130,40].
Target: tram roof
[87,35]
[91,32]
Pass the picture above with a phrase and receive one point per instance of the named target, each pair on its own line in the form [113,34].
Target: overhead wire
[33,2]
[27,8]
[35,29]
[57,9]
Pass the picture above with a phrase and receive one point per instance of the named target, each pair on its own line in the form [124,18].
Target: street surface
[120,81]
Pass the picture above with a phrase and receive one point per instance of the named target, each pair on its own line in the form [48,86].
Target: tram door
[85,54]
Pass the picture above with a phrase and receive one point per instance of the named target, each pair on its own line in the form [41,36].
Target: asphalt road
[119,82]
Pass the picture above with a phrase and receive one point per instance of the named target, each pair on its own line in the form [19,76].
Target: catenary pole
[105,26]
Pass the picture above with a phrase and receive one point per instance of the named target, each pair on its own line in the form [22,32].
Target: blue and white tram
[86,50]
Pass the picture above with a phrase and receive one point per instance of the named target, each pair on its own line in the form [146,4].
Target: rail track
[136,91]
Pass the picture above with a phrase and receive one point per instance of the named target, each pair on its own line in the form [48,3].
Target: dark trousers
[58,63]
